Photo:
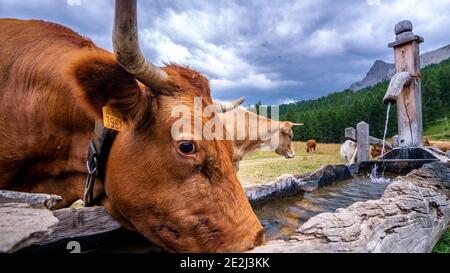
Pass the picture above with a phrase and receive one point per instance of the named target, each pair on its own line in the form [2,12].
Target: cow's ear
[285,127]
[100,80]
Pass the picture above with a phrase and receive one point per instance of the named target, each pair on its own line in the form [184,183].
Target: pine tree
[326,118]
[431,98]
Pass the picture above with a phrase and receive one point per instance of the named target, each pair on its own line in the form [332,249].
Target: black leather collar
[98,153]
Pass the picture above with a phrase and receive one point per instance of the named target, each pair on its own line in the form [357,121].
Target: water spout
[396,85]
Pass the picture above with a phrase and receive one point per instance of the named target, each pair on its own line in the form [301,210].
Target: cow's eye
[186,147]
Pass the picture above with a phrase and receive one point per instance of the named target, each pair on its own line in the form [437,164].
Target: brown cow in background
[442,145]
[244,145]
[311,145]
[182,195]
[375,150]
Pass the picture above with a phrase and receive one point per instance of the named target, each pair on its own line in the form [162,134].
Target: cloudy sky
[271,51]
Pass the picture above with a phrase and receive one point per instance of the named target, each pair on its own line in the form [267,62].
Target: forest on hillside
[326,118]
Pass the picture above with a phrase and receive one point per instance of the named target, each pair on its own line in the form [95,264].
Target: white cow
[349,151]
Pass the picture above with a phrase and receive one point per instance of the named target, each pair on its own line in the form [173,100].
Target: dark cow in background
[311,145]
[376,150]
[442,145]
[182,195]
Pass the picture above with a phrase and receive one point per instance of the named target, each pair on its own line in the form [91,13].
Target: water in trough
[282,217]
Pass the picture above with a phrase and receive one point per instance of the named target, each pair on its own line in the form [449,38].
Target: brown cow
[426,141]
[181,195]
[311,145]
[241,124]
[375,150]
[442,145]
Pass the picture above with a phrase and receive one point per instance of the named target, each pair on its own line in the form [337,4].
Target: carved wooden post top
[405,34]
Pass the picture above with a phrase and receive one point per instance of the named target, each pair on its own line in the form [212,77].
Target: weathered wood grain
[350,133]
[410,216]
[75,223]
[409,101]
[22,225]
[35,200]
[362,145]
[396,85]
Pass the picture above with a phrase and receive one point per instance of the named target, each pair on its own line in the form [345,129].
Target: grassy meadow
[438,130]
[266,166]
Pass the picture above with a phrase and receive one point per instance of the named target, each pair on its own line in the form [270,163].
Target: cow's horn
[126,46]
[229,106]
[298,124]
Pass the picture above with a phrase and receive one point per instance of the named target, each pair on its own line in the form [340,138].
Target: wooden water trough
[410,216]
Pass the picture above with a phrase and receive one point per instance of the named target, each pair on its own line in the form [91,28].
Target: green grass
[266,166]
[443,246]
[437,130]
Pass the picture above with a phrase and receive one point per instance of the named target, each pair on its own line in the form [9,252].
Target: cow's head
[181,194]
[285,145]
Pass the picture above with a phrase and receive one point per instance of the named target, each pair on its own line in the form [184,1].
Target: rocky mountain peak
[381,70]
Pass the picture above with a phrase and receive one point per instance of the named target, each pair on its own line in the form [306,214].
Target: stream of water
[385,128]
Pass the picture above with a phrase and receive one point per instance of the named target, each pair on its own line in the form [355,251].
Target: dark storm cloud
[271,51]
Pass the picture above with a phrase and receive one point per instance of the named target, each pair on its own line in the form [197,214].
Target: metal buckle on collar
[92,162]
[98,152]
[92,167]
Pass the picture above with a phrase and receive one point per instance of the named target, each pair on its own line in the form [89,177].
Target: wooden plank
[26,220]
[350,133]
[362,145]
[35,200]
[22,225]
[83,222]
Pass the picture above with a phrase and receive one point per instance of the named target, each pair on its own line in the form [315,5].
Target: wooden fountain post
[409,101]
[362,144]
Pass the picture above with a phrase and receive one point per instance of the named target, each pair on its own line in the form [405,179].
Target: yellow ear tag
[112,119]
